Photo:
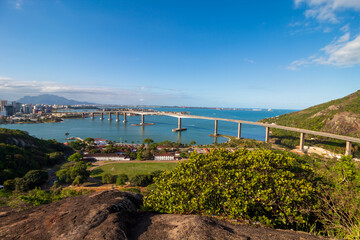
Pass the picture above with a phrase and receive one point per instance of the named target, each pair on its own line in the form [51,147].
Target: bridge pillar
[110,116]
[92,115]
[142,119]
[267,132]
[83,115]
[117,116]
[102,116]
[179,123]
[239,131]
[216,128]
[348,148]
[124,118]
[302,140]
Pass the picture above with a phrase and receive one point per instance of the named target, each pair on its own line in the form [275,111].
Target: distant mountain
[340,116]
[50,100]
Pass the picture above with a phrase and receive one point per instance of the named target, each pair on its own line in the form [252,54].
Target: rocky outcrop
[104,215]
[114,215]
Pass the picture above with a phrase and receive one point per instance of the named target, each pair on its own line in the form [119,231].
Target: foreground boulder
[113,215]
[104,215]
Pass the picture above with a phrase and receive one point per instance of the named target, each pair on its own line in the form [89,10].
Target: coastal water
[197,129]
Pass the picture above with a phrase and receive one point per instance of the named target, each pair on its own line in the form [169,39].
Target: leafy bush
[272,188]
[141,180]
[108,178]
[340,199]
[122,179]
[75,157]
[69,173]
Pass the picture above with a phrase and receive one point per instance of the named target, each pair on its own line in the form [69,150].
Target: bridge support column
[348,148]
[267,134]
[179,128]
[216,128]
[142,119]
[92,115]
[302,140]
[83,115]
[239,131]
[110,116]
[117,116]
[124,118]
[102,116]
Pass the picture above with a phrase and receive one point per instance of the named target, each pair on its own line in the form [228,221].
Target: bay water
[198,130]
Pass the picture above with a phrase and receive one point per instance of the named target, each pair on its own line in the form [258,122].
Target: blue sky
[271,54]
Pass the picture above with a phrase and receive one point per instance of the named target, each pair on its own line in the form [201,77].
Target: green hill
[20,152]
[340,116]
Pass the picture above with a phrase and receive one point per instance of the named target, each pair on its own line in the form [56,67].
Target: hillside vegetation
[340,116]
[20,152]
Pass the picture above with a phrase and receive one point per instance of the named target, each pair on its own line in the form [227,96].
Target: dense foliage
[76,173]
[274,189]
[122,179]
[20,152]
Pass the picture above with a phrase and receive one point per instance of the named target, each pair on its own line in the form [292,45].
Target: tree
[192,143]
[69,173]
[75,157]
[108,178]
[148,141]
[122,179]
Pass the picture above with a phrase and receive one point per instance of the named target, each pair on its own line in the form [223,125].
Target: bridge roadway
[267,126]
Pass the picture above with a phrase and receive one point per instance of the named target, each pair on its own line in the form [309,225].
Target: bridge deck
[299,130]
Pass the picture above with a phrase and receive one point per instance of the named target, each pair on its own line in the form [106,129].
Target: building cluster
[13,108]
[123,152]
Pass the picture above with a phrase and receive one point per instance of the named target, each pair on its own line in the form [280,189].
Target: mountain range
[50,100]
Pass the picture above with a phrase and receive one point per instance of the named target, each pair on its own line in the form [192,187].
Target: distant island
[50,99]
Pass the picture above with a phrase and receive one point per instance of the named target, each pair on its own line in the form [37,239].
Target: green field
[131,169]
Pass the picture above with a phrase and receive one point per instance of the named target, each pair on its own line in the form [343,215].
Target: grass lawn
[131,169]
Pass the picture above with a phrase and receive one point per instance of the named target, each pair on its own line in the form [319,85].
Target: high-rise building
[2,105]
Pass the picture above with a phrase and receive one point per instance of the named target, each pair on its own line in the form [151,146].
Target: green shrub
[122,179]
[274,189]
[141,180]
[75,157]
[108,178]
[340,199]
[68,173]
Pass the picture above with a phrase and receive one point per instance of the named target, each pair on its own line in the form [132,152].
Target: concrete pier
[124,118]
[216,128]
[92,115]
[102,116]
[83,115]
[267,134]
[110,116]
[302,140]
[142,119]
[179,128]
[239,131]
[117,116]
[348,148]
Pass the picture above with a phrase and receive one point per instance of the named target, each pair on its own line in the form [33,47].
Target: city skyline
[288,54]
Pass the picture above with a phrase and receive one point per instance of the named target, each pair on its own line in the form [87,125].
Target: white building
[164,156]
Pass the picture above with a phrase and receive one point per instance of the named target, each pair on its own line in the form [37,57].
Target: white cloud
[325,10]
[12,89]
[249,60]
[341,52]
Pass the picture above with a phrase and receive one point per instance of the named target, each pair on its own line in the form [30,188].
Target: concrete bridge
[302,132]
